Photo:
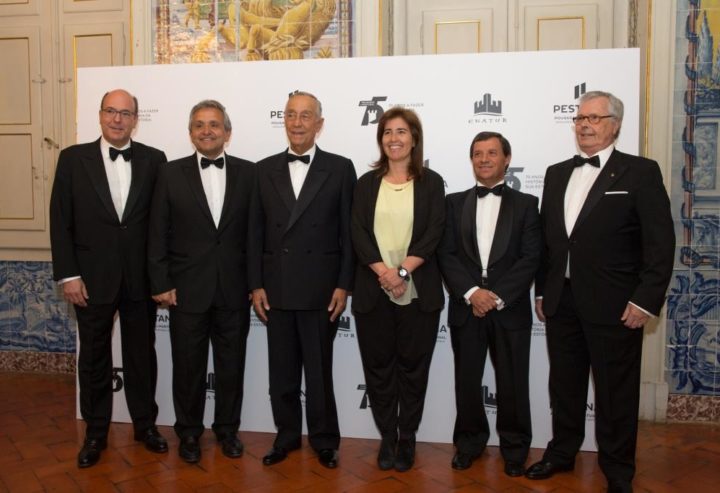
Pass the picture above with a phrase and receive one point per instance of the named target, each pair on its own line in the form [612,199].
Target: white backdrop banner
[529,97]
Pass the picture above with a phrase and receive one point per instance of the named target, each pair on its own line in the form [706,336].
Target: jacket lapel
[558,201]
[139,164]
[192,175]
[468,227]
[232,177]
[503,226]
[317,174]
[610,173]
[280,177]
[95,168]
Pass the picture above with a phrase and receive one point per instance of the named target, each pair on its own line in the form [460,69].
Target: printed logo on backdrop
[487,110]
[512,180]
[147,114]
[442,335]
[590,411]
[489,400]
[365,401]
[117,379]
[210,387]
[565,110]
[538,329]
[373,110]
[277,118]
[162,320]
[345,328]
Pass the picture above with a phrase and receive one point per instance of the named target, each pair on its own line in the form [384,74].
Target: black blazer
[186,251]
[622,246]
[87,237]
[428,224]
[300,250]
[513,262]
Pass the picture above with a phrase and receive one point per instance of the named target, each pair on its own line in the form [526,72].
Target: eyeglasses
[124,114]
[590,118]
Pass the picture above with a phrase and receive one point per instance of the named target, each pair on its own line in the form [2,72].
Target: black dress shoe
[90,452]
[462,461]
[545,469]
[405,455]
[514,469]
[189,450]
[231,446]
[153,440]
[386,454]
[328,457]
[275,455]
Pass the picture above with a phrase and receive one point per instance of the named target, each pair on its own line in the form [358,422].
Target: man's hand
[337,303]
[399,291]
[168,298]
[390,279]
[539,309]
[260,303]
[483,301]
[633,317]
[75,292]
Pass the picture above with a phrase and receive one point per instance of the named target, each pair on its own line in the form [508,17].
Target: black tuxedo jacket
[300,250]
[622,246]
[87,236]
[428,224]
[186,251]
[513,262]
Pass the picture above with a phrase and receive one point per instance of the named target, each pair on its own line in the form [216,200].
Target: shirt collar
[310,152]
[603,155]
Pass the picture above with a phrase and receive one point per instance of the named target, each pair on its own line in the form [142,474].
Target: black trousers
[95,365]
[396,347]
[614,353]
[190,335]
[510,354]
[297,340]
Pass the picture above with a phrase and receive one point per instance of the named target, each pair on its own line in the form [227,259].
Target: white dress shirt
[213,182]
[486,216]
[119,175]
[299,170]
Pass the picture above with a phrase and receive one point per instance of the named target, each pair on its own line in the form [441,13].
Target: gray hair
[211,103]
[615,105]
[297,92]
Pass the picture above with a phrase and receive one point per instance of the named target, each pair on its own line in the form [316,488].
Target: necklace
[396,187]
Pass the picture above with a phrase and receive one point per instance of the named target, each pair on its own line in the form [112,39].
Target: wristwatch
[403,273]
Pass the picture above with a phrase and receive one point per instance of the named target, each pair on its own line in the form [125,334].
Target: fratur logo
[373,111]
[344,324]
[487,106]
[512,180]
[210,384]
[117,380]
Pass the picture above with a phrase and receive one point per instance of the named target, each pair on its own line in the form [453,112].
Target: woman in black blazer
[398,217]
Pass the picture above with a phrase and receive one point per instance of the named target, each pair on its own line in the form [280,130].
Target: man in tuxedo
[98,232]
[609,246]
[489,256]
[198,267]
[301,268]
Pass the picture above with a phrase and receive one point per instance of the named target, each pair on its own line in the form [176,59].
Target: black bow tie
[483,191]
[292,157]
[125,153]
[592,161]
[205,162]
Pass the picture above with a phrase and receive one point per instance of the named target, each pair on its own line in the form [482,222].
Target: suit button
[278,225]
[219,242]
[285,250]
[123,226]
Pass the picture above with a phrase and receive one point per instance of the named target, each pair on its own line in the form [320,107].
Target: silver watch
[403,273]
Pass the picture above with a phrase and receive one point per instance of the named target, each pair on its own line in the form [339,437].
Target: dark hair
[483,136]
[415,170]
[135,101]
[211,104]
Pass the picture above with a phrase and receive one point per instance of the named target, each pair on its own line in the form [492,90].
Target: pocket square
[617,192]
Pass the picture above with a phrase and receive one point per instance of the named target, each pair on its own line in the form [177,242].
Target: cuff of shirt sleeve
[469,293]
[68,279]
[642,309]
